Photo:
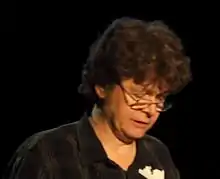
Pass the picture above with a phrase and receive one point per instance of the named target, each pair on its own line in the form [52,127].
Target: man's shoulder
[48,145]
[52,138]
[55,135]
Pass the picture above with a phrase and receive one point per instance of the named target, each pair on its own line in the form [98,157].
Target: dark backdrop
[41,82]
[8,16]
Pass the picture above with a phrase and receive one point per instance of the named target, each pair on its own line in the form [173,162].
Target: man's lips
[140,123]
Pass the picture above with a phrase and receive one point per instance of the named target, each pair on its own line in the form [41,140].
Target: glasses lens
[169,102]
[167,106]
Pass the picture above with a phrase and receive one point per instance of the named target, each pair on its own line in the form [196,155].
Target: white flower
[148,173]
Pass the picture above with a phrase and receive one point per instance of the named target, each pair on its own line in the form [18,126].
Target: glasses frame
[166,105]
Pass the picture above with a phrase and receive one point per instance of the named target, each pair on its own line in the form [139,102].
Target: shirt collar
[89,145]
[146,155]
[92,150]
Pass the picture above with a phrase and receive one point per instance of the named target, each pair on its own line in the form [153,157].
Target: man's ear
[100,91]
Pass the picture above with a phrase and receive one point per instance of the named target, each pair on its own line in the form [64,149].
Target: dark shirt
[73,151]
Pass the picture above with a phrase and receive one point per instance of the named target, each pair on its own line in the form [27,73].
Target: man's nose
[150,110]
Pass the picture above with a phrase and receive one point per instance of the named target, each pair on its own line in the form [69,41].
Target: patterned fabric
[73,151]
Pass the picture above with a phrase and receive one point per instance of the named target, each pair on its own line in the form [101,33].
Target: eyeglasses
[140,103]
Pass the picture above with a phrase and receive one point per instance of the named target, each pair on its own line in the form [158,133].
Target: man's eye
[142,95]
[136,98]
[161,99]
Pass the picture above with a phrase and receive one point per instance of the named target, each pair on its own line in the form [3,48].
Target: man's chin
[130,136]
[137,135]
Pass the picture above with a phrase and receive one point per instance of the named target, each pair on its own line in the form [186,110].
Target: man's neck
[106,135]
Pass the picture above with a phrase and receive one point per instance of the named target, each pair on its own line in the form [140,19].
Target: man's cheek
[154,118]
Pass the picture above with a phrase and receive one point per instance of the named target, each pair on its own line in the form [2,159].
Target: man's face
[134,110]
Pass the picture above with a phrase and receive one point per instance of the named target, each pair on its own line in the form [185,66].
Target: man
[131,72]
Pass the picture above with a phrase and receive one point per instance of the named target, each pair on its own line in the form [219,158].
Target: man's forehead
[152,88]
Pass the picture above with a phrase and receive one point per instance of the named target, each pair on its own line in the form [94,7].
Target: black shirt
[73,151]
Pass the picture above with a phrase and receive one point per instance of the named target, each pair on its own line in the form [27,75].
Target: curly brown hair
[132,48]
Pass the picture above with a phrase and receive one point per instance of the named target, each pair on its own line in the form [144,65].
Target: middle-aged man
[132,71]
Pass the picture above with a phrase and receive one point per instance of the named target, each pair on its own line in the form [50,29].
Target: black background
[8,16]
[42,71]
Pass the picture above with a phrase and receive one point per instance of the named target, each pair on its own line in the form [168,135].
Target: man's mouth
[139,123]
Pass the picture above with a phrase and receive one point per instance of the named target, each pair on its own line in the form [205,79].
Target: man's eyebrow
[165,93]
[138,92]
[146,90]
[151,92]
